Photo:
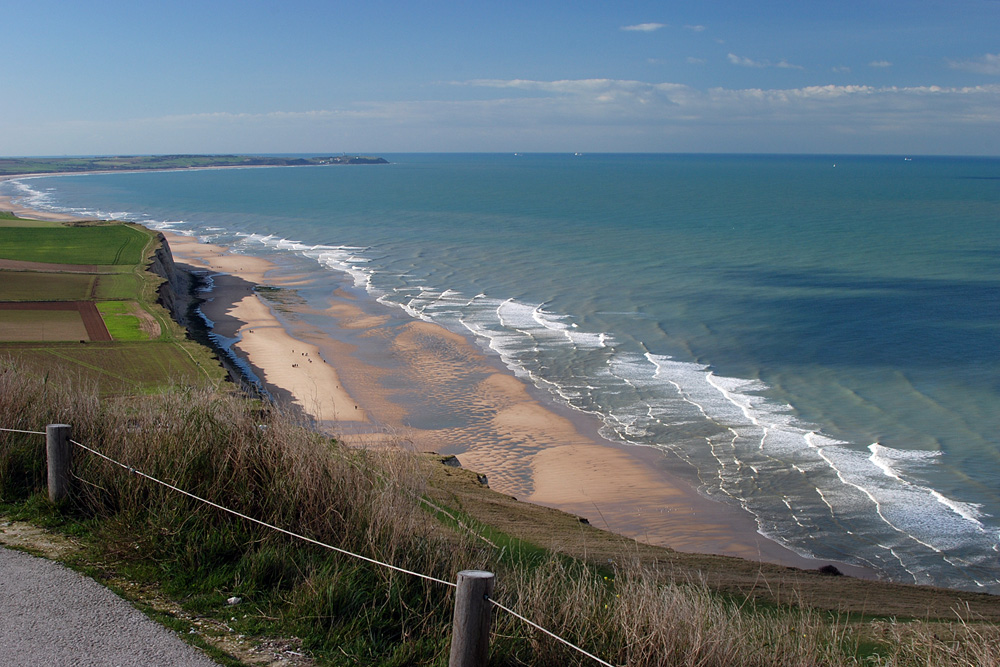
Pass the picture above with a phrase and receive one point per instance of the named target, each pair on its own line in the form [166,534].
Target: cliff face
[174,293]
[177,294]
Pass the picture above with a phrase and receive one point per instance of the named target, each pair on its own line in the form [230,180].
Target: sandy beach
[360,386]
[526,447]
[281,361]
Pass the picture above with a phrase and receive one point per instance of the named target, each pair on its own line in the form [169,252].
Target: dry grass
[260,461]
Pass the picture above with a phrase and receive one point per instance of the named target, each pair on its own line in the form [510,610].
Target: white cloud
[691,60]
[841,70]
[985,64]
[573,114]
[880,63]
[644,27]
[695,28]
[743,61]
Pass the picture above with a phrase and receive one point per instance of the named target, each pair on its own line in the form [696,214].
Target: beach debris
[234,601]
[482,480]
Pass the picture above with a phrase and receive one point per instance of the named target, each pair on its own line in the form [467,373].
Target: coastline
[528,447]
[7,204]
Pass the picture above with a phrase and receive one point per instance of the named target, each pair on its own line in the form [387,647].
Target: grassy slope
[767,583]
[632,605]
[121,367]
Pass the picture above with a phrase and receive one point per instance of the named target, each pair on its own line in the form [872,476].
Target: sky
[901,77]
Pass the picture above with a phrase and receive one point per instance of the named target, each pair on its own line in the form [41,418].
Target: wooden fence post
[470,635]
[59,453]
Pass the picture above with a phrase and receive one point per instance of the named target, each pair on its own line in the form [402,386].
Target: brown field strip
[88,312]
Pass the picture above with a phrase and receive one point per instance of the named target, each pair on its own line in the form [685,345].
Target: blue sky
[844,76]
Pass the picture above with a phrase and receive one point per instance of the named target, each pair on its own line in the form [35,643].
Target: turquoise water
[814,339]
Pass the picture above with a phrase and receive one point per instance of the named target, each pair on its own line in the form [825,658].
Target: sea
[813,339]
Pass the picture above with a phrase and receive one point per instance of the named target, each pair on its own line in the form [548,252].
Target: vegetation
[104,263]
[257,460]
[122,368]
[45,286]
[15,166]
[121,320]
[121,286]
[115,244]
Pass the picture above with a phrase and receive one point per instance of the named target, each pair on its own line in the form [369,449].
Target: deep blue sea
[813,338]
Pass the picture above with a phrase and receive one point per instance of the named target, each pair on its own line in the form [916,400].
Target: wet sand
[283,363]
[379,378]
[528,448]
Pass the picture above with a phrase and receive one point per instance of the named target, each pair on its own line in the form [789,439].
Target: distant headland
[52,165]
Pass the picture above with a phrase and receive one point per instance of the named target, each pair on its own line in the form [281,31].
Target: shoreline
[568,461]
[528,447]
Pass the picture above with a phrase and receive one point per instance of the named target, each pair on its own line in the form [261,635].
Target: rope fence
[473,599]
[259,522]
[17,430]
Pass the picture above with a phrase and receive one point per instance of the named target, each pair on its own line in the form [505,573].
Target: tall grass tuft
[259,460]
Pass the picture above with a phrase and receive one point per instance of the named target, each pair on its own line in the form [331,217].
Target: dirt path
[55,616]
[52,615]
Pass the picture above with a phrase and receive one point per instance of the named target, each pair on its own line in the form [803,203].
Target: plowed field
[48,321]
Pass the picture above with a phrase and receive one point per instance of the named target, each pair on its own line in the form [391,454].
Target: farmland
[55,286]
[101,245]
[44,286]
[126,320]
[42,325]
[79,297]
[121,367]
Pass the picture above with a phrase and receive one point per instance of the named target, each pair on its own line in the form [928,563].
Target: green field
[48,286]
[100,244]
[123,367]
[121,321]
[118,286]
[149,351]
[42,286]
[10,220]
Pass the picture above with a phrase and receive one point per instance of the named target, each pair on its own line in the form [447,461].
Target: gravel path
[51,615]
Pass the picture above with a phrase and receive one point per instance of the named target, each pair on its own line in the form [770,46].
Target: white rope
[262,523]
[316,542]
[550,634]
